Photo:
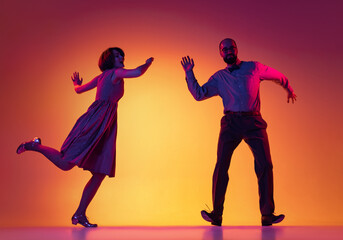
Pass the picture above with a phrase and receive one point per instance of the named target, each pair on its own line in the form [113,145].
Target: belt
[252,113]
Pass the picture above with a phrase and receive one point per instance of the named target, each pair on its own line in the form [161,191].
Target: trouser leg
[226,145]
[259,145]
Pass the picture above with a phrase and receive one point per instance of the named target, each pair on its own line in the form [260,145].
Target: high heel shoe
[83,220]
[28,145]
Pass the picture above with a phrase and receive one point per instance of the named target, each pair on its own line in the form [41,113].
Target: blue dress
[91,144]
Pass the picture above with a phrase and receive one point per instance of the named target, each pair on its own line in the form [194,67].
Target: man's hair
[106,60]
[227,39]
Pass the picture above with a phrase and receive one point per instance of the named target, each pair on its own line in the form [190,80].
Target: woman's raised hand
[149,61]
[76,79]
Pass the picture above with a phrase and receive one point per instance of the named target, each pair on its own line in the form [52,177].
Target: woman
[91,144]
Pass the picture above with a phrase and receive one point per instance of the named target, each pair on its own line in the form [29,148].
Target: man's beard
[231,59]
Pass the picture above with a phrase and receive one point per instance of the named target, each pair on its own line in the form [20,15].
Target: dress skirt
[91,144]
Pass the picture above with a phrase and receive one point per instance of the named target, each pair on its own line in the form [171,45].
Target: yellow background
[166,145]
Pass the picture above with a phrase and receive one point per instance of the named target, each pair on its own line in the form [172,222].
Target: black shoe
[210,217]
[82,219]
[28,145]
[268,220]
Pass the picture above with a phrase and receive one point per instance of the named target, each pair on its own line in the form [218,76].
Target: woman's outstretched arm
[132,73]
[79,88]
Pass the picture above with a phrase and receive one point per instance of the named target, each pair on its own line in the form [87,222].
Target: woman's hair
[106,60]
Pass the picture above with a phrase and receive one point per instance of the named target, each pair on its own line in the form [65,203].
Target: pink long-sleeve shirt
[239,89]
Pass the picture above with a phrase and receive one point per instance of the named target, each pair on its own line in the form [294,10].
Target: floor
[174,233]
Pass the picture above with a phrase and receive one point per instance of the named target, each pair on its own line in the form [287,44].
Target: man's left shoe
[268,220]
[212,218]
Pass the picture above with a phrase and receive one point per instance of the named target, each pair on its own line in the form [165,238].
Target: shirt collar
[234,67]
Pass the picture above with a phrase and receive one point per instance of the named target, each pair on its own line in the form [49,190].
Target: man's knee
[261,168]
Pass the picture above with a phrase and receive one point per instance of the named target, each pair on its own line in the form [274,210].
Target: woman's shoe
[28,145]
[82,219]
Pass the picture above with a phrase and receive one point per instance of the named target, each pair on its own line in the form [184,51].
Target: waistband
[252,113]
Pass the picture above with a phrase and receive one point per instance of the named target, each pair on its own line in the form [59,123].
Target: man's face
[228,51]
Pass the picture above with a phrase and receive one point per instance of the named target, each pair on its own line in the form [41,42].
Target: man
[238,85]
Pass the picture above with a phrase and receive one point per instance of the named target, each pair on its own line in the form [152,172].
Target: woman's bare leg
[50,153]
[89,192]
[55,157]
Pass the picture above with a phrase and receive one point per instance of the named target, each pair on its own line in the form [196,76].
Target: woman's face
[118,59]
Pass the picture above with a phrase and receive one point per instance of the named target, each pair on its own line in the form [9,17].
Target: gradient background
[166,148]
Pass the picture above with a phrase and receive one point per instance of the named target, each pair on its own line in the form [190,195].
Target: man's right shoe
[212,218]
[268,220]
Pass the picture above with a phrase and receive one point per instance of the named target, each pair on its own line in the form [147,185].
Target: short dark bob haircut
[106,60]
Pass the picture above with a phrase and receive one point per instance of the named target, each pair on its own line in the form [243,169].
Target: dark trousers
[252,129]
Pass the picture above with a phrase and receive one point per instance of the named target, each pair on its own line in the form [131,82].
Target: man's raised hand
[187,63]
[292,96]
